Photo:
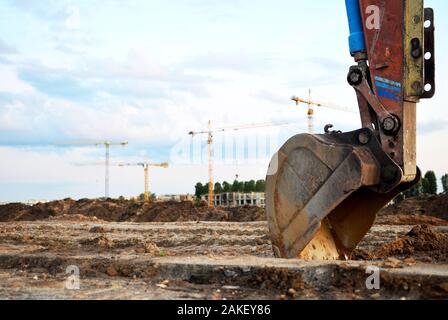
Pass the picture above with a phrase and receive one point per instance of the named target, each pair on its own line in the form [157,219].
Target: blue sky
[150,71]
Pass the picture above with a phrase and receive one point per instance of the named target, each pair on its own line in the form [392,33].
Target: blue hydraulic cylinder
[356,39]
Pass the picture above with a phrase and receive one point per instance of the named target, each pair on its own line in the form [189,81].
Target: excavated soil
[433,206]
[428,210]
[422,243]
[131,211]
[411,219]
[206,260]
[174,250]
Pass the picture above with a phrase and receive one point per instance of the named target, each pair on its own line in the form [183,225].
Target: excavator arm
[323,191]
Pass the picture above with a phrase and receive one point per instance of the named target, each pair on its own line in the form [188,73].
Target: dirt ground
[426,205]
[428,210]
[126,210]
[128,250]
[421,243]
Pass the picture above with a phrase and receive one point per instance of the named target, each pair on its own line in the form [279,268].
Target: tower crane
[311,104]
[209,132]
[145,167]
[107,144]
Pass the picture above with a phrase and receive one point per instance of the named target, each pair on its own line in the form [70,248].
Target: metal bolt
[354,78]
[389,124]
[364,137]
[417,85]
[416,19]
[416,53]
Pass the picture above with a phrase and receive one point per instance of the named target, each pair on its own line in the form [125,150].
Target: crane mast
[106,173]
[211,187]
[145,166]
[107,145]
[209,132]
[311,104]
[146,188]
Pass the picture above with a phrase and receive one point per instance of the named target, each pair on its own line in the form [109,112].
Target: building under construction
[237,199]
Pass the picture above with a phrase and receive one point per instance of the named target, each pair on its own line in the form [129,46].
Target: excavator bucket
[323,193]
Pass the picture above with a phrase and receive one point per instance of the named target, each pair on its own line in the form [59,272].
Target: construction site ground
[133,253]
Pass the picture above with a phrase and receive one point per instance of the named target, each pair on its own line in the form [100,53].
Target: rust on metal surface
[325,191]
[316,201]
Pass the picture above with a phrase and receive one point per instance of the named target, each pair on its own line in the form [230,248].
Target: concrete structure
[237,199]
[175,197]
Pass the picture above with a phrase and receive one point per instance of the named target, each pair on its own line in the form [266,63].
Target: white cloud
[10,83]
[47,167]
[6,49]
[431,153]
[73,20]
[151,71]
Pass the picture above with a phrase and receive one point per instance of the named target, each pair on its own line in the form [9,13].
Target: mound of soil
[422,243]
[124,210]
[428,210]
[412,219]
[434,206]
[246,214]
[74,217]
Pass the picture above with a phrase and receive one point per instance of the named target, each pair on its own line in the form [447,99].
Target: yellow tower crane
[312,104]
[209,132]
[145,167]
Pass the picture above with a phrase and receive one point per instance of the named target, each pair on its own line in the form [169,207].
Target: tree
[198,189]
[235,186]
[399,198]
[260,186]
[218,188]
[430,183]
[205,188]
[415,191]
[226,187]
[249,186]
[151,197]
[445,183]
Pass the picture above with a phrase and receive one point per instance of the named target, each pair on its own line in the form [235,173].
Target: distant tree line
[141,197]
[427,185]
[445,183]
[236,186]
